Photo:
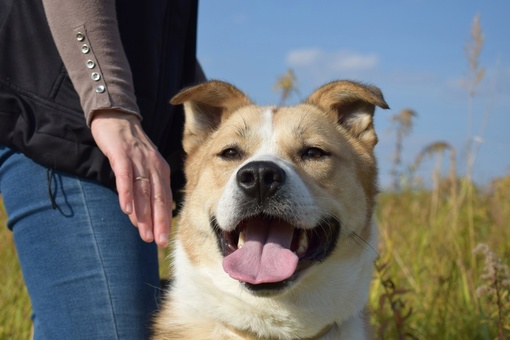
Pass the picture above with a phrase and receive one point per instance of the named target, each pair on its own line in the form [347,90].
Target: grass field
[428,283]
[15,322]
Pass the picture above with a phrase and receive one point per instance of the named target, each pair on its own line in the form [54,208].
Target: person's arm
[87,37]
[88,40]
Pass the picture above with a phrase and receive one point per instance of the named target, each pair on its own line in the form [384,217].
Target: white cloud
[332,61]
[316,66]
[304,57]
[347,61]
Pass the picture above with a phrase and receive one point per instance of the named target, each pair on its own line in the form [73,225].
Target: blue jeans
[88,273]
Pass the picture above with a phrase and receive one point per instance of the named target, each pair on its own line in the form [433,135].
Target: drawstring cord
[49,176]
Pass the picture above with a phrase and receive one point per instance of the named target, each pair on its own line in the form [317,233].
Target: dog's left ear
[353,105]
[206,105]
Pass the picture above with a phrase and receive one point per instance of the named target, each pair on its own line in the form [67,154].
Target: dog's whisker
[353,236]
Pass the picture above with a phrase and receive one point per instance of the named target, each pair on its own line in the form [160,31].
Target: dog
[276,239]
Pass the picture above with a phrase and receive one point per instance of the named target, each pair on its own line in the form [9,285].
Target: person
[88,146]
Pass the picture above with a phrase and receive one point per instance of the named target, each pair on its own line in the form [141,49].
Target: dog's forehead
[270,130]
[271,121]
[275,133]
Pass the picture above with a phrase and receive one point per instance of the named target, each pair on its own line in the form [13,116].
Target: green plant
[392,312]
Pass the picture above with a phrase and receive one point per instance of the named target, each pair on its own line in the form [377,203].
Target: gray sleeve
[87,37]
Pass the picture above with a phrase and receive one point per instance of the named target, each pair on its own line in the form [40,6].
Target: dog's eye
[230,154]
[313,153]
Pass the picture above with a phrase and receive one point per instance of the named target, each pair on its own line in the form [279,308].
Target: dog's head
[272,191]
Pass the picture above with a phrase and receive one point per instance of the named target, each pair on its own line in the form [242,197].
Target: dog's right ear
[206,105]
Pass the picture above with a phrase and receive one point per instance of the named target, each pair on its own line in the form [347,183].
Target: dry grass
[15,322]
[430,263]
[428,283]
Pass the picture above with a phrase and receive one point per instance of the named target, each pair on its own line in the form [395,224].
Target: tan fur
[328,299]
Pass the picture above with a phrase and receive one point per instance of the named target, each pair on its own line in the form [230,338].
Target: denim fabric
[88,273]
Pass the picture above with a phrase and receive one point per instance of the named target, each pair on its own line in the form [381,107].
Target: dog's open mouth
[268,253]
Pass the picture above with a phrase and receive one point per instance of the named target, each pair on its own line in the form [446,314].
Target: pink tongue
[265,256]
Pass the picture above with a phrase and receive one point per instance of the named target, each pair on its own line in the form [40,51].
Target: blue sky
[414,50]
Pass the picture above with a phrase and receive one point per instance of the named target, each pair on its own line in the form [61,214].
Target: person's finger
[142,206]
[134,221]
[161,209]
[124,182]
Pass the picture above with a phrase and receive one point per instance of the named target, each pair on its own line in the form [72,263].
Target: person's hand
[142,175]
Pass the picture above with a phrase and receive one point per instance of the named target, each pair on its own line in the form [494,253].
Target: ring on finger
[140,178]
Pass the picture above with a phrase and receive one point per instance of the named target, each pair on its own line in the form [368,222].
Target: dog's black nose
[260,179]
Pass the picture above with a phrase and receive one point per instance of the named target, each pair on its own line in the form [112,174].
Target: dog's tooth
[240,243]
[303,243]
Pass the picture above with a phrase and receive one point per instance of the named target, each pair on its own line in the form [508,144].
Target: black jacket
[40,112]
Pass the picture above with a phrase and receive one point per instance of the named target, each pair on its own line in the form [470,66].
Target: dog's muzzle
[269,246]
